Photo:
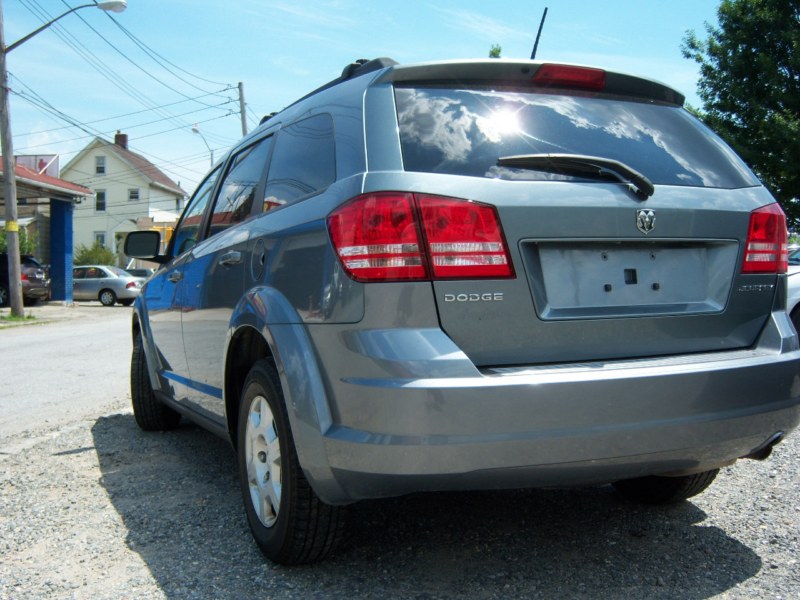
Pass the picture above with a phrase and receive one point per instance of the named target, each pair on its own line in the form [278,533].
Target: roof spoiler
[358,67]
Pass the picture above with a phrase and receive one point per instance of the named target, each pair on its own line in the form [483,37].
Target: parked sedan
[107,284]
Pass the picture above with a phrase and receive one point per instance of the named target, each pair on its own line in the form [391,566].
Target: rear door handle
[175,276]
[230,258]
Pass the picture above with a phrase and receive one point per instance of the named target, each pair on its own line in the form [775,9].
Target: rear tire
[150,413]
[665,490]
[289,522]
[107,298]
[126,302]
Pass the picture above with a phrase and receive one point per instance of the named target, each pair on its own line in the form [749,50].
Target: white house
[127,188]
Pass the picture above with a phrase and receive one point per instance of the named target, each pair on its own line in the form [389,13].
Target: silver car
[105,283]
[470,275]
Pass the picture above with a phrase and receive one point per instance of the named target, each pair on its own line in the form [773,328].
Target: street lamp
[9,170]
[196,129]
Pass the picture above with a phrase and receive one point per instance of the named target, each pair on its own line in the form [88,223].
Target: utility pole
[9,168]
[10,185]
[241,108]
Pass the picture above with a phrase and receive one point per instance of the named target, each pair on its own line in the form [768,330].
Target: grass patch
[9,318]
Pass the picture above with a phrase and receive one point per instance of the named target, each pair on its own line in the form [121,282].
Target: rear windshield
[465,131]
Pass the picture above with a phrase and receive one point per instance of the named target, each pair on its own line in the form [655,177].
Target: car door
[163,294]
[214,277]
[87,286]
[78,283]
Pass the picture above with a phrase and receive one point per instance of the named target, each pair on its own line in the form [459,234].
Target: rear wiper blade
[594,167]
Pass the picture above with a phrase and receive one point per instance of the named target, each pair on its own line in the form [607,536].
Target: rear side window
[238,189]
[465,131]
[304,161]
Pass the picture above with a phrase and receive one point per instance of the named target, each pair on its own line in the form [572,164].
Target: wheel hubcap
[263,461]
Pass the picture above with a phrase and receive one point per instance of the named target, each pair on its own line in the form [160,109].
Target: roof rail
[361,66]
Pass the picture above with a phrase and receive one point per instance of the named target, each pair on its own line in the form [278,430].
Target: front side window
[187,234]
[238,189]
[99,165]
[304,161]
[464,131]
[100,200]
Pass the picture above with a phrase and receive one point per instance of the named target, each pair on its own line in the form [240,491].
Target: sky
[162,66]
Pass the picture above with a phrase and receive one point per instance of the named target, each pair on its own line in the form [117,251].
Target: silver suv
[470,275]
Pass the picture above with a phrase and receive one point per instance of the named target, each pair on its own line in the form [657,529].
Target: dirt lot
[92,507]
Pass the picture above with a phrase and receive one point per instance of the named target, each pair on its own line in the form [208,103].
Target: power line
[43,104]
[134,63]
[117,117]
[96,63]
[24,96]
[153,54]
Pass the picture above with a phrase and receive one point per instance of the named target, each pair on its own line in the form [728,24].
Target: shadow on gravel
[178,496]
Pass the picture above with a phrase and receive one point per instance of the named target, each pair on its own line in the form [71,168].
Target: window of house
[99,165]
[100,200]
[133,194]
[187,233]
[100,238]
[304,161]
[238,189]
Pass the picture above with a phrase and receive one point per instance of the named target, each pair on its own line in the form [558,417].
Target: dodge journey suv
[470,275]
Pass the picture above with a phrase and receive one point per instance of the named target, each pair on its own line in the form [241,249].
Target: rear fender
[267,311]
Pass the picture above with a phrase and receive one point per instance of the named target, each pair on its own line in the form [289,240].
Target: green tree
[27,244]
[495,51]
[94,255]
[750,88]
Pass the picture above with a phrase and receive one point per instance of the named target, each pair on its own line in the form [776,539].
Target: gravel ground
[100,509]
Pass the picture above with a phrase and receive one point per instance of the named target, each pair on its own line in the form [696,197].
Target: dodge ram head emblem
[645,220]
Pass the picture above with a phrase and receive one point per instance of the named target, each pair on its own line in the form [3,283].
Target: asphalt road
[92,507]
[55,372]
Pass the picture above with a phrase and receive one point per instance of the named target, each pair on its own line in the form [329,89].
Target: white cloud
[476,24]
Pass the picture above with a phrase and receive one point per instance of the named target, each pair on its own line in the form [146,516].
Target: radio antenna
[539,34]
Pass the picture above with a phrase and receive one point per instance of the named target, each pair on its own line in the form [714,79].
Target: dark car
[34,281]
[470,275]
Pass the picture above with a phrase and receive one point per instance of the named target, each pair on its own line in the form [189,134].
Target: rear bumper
[127,293]
[410,412]
[35,290]
[573,430]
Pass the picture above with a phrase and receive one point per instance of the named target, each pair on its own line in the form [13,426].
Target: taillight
[766,249]
[377,238]
[585,78]
[392,236]
[23,277]
[464,239]
[132,284]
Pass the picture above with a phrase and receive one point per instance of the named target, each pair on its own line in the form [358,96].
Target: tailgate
[591,286]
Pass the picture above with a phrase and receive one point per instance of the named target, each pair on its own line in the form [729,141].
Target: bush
[96,255]
[27,245]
